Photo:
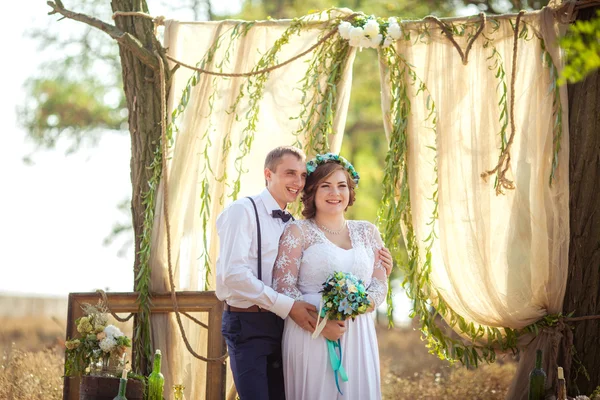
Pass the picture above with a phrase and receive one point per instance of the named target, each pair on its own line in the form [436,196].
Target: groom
[254,313]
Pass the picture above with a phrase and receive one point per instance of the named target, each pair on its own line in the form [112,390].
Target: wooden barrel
[102,388]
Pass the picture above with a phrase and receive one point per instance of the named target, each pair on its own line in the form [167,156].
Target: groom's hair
[274,157]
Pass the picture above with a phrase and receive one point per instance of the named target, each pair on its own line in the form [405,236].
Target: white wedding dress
[306,258]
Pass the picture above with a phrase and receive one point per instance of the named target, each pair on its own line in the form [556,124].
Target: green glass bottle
[156,380]
[537,379]
[122,389]
[122,386]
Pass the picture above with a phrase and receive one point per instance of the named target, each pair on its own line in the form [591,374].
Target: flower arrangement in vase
[99,347]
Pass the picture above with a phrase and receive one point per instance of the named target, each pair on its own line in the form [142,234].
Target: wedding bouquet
[98,342]
[344,297]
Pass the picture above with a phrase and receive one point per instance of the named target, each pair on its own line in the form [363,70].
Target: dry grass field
[32,363]
[410,372]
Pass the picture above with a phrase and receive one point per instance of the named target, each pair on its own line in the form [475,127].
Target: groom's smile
[287,180]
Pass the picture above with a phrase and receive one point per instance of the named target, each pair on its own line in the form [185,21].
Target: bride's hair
[314,180]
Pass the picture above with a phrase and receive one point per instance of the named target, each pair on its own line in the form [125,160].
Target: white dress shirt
[237,265]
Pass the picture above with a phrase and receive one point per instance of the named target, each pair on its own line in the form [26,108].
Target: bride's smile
[332,195]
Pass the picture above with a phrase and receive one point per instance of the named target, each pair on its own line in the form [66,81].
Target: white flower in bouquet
[388,40]
[376,40]
[108,344]
[365,42]
[394,31]
[344,29]
[371,28]
[113,332]
[392,21]
[356,35]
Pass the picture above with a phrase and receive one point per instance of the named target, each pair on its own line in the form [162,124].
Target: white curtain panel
[499,261]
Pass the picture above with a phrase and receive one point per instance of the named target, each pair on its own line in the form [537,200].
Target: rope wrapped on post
[158,21]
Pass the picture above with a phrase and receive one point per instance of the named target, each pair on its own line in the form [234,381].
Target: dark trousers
[254,344]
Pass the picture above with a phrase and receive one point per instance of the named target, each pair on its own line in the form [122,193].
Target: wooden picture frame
[188,302]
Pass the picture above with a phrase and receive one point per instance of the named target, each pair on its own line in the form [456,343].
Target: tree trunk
[583,284]
[143,101]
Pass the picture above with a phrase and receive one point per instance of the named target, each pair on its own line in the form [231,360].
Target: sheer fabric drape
[501,260]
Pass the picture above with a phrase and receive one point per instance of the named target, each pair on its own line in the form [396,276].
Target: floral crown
[321,159]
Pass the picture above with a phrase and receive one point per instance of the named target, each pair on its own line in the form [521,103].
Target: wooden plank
[215,371]
[160,303]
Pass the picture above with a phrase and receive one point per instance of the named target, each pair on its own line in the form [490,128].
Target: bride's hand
[334,330]
[386,260]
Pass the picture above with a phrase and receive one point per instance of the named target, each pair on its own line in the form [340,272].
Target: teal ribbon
[336,362]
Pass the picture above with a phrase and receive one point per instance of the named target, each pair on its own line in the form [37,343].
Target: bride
[309,251]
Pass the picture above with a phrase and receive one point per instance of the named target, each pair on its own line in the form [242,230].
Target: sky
[57,212]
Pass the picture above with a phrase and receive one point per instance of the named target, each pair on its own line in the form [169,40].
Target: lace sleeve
[379,284]
[287,264]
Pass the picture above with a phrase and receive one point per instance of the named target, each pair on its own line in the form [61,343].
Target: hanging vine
[319,95]
[557,110]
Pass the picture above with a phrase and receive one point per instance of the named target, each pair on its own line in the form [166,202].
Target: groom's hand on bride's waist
[301,314]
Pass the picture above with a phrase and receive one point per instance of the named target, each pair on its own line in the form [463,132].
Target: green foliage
[554,89]
[582,48]
[76,94]
[63,105]
[143,333]
[256,10]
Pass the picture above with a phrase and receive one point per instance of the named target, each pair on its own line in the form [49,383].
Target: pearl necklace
[326,229]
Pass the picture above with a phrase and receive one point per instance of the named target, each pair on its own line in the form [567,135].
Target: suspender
[258,236]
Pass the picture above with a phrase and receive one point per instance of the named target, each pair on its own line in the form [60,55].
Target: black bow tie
[285,216]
